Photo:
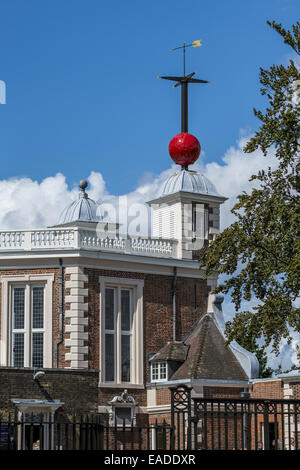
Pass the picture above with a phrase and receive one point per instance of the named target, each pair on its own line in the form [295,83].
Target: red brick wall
[163,396]
[268,389]
[76,389]
[157,307]
[295,386]
[55,325]
[222,392]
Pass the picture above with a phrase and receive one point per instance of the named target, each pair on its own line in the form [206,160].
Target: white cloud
[26,203]
[232,177]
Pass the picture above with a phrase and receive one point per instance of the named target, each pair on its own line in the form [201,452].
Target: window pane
[123,416]
[125,310]
[163,370]
[18,349]
[109,358]
[125,358]
[37,350]
[109,309]
[194,217]
[37,307]
[155,371]
[19,305]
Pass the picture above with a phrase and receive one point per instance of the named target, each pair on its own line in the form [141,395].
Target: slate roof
[208,357]
[172,351]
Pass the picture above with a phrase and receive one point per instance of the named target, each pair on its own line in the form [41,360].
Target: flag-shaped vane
[197,43]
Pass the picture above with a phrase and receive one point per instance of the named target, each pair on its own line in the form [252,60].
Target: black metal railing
[233,424]
[87,432]
[156,436]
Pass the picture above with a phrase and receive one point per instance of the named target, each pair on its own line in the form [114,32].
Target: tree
[260,251]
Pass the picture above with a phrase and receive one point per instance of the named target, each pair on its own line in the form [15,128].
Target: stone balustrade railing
[78,238]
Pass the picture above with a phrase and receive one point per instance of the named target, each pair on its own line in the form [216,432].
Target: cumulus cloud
[232,176]
[29,204]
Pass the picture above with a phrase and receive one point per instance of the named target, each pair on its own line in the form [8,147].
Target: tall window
[121,327]
[27,342]
[118,318]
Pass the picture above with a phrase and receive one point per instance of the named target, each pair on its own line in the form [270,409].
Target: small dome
[188,181]
[83,209]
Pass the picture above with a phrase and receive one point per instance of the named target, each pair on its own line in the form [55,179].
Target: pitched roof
[172,351]
[208,356]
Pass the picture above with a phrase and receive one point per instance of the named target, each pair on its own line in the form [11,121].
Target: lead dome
[188,181]
[83,209]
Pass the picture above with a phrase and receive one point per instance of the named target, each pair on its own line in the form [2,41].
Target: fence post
[172,438]
[266,426]
[181,404]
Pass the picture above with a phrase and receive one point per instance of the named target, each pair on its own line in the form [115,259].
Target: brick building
[95,321]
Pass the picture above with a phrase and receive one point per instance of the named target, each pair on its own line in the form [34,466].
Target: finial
[83,184]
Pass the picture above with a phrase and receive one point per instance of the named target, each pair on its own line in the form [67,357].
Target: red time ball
[184,149]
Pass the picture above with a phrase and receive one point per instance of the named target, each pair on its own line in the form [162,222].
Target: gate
[233,424]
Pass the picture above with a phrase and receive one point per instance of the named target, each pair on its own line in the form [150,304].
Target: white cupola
[187,209]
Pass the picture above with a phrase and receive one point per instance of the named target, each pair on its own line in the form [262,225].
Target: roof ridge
[201,344]
[194,326]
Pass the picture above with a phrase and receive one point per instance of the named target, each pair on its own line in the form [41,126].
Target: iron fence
[195,424]
[234,423]
[156,436]
[87,432]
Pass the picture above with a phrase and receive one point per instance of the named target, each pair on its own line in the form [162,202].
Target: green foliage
[246,337]
[260,251]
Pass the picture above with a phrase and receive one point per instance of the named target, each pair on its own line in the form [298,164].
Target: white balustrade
[68,238]
[11,240]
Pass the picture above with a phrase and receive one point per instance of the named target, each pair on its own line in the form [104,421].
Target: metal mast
[183,82]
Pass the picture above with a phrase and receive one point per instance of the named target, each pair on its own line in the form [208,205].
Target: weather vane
[184,81]
[193,44]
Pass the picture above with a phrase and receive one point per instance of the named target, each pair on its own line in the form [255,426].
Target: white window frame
[137,367]
[28,330]
[28,281]
[159,366]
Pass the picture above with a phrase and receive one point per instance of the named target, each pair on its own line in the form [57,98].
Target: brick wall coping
[49,371]
[121,386]
[269,379]
[211,382]
[290,379]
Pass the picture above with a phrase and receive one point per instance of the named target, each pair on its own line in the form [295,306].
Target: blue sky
[82,87]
